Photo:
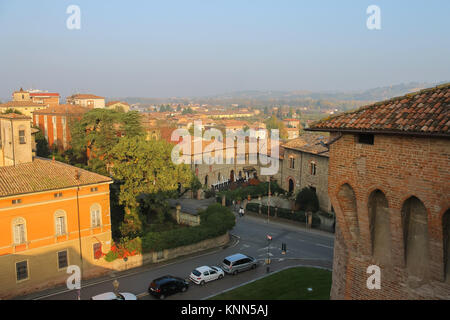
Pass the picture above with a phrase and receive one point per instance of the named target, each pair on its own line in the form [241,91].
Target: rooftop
[15,104]
[309,143]
[44,175]
[64,109]
[85,96]
[425,112]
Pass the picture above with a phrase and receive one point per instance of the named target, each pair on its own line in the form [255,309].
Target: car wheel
[202,283]
[235,272]
[220,276]
[253,266]
[183,289]
[162,297]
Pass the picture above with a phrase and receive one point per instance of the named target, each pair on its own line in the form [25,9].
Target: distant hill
[347,100]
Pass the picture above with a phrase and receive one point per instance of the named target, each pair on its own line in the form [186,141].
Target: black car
[167,285]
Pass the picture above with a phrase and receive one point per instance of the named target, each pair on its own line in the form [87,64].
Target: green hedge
[241,193]
[299,216]
[215,221]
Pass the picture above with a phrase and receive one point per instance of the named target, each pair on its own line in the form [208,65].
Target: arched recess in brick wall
[347,202]
[415,237]
[380,230]
[446,238]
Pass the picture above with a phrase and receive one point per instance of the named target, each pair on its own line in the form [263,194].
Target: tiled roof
[44,94]
[426,112]
[309,143]
[15,104]
[115,102]
[14,116]
[85,96]
[44,175]
[63,109]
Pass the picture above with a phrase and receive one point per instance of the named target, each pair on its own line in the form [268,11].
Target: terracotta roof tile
[423,112]
[42,175]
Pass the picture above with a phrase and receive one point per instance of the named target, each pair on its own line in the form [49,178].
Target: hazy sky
[192,48]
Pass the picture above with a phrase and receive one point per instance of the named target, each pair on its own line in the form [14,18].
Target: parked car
[238,262]
[113,296]
[167,285]
[204,274]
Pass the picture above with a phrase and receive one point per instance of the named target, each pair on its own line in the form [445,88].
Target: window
[96,216]
[313,168]
[292,162]
[19,231]
[365,138]
[22,137]
[57,195]
[60,223]
[62,259]
[94,189]
[16,201]
[22,270]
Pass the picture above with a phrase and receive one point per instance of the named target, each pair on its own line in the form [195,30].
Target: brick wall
[367,182]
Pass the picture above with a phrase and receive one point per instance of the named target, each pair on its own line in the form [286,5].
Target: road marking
[322,245]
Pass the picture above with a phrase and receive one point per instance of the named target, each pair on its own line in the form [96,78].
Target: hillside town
[70,199]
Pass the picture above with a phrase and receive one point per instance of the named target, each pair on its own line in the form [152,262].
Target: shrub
[216,220]
[307,200]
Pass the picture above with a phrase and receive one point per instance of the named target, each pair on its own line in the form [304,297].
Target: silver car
[238,262]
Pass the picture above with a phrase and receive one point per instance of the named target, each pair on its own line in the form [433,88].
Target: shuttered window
[60,225]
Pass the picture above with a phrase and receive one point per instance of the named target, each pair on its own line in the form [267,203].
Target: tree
[307,200]
[11,110]
[274,123]
[99,131]
[144,167]
[42,149]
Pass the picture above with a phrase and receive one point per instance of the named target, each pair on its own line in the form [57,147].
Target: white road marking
[322,245]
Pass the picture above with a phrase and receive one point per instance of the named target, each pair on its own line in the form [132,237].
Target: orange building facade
[52,215]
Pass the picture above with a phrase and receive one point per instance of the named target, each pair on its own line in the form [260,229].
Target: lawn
[290,284]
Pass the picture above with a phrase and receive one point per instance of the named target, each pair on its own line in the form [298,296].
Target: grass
[290,284]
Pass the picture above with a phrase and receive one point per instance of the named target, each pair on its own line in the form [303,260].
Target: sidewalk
[284,223]
[122,274]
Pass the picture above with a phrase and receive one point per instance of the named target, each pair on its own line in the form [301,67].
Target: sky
[197,48]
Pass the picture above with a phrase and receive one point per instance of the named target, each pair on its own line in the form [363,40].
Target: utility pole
[268,202]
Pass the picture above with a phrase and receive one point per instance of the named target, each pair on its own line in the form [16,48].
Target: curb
[264,276]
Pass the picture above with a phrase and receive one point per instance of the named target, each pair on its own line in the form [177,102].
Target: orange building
[54,123]
[52,215]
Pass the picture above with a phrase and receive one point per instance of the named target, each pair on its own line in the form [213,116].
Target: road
[304,247]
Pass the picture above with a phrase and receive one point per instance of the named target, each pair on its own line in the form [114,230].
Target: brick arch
[347,201]
[446,242]
[415,237]
[379,226]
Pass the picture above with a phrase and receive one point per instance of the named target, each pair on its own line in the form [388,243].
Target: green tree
[11,110]
[273,123]
[42,148]
[307,200]
[99,131]
[144,167]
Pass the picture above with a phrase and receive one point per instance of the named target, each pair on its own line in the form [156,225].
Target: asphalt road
[304,247]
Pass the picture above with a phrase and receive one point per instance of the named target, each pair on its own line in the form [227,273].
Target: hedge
[299,216]
[215,221]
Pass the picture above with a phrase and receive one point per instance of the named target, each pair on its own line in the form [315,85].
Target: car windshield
[226,262]
[196,273]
